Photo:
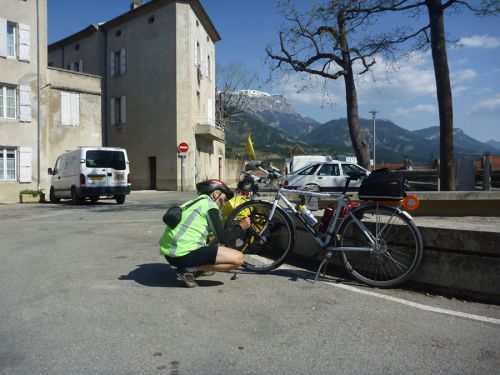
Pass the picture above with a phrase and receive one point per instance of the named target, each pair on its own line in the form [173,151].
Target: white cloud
[487,105]
[464,75]
[480,41]
[415,110]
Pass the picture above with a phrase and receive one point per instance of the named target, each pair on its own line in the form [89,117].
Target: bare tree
[232,83]
[319,43]
[435,9]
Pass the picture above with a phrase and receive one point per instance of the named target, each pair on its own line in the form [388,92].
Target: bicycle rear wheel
[268,241]
[398,250]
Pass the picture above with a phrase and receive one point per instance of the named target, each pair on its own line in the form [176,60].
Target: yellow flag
[249,147]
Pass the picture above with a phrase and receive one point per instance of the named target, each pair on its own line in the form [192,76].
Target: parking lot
[83,290]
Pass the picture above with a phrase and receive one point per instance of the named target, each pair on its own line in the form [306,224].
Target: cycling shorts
[203,256]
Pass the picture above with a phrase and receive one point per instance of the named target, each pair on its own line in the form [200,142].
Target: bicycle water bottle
[307,215]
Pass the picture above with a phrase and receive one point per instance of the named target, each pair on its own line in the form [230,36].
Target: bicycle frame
[332,226]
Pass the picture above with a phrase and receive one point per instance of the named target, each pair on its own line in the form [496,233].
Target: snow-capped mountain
[274,110]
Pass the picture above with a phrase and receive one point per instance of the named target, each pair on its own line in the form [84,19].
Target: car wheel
[52,196]
[120,199]
[75,198]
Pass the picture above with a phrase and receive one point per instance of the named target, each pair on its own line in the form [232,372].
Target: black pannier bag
[383,184]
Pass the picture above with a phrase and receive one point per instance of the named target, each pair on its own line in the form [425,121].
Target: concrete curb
[456,262]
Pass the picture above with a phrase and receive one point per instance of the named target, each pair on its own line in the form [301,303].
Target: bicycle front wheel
[397,251]
[268,240]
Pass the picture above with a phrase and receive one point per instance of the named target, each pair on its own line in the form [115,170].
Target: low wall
[232,170]
[459,263]
[451,203]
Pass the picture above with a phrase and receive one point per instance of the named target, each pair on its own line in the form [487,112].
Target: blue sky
[406,96]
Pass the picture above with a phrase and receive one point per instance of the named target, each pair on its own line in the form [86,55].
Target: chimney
[136,4]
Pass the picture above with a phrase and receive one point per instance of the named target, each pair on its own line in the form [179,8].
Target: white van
[90,172]
[300,161]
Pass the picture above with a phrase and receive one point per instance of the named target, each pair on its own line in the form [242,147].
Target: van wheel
[75,199]
[120,199]
[94,200]
[52,196]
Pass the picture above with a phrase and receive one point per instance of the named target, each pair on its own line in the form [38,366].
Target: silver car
[328,176]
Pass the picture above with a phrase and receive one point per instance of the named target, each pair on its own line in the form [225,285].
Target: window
[151,19]
[7,164]
[309,170]
[118,111]
[329,170]
[118,33]
[106,159]
[11,39]
[77,66]
[117,62]
[70,108]
[15,40]
[198,55]
[8,103]
[209,67]
[350,169]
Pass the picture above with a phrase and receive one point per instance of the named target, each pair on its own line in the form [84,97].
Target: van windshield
[106,159]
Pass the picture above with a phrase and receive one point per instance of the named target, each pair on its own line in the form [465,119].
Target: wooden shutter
[122,61]
[3,37]
[80,66]
[112,64]
[65,108]
[123,110]
[25,164]
[24,42]
[75,109]
[112,111]
[25,103]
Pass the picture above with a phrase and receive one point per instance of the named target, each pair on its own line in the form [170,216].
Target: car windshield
[106,159]
[308,170]
[350,169]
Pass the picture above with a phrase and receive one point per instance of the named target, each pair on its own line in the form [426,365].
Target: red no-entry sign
[183,147]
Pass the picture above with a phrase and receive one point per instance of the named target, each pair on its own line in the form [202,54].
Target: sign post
[182,149]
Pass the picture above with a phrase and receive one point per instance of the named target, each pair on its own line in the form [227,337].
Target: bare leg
[227,259]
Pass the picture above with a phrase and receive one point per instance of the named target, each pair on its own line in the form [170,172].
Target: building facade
[42,111]
[157,63]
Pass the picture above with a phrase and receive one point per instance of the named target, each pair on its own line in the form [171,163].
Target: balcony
[209,129]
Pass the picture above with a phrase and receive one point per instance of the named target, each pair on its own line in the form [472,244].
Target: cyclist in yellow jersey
[188,246]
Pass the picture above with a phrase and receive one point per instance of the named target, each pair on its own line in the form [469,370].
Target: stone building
[43,111]
[157,63]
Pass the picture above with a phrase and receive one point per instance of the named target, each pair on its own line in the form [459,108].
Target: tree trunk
[445,104]
[358,143]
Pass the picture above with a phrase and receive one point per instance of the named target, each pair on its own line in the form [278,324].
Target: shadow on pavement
[161,275]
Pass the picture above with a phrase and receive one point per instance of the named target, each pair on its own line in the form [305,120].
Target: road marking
[409,303]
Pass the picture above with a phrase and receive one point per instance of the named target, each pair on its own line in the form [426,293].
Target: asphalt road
[83,290]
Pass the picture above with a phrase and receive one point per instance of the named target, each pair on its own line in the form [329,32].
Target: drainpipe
[38,92]
[104,100]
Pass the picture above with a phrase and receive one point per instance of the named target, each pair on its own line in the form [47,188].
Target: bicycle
[379,243]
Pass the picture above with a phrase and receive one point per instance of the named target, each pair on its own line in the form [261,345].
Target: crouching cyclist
[194,245]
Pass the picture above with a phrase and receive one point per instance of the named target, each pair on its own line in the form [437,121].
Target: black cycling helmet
[209,186]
